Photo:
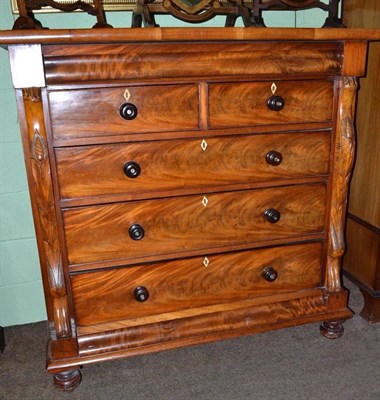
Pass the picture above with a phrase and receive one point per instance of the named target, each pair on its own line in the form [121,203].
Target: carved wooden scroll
[41,187]
[344,157]
[258,6]
[196,11]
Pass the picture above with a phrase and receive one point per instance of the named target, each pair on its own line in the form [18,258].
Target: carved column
[41,186]
[28,78]
[344,158]
[344,153]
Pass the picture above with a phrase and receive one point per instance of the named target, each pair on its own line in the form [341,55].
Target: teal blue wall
[21,295]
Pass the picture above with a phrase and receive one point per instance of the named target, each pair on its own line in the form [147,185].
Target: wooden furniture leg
[67,381]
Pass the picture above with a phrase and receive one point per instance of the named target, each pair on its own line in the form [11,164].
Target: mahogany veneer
[187,185]
[245,104]
[93,171]
[187,284]
[181,224]
[75,113]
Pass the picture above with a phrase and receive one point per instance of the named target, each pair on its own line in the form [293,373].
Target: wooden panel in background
[364,199]
[363,254]
[362,261]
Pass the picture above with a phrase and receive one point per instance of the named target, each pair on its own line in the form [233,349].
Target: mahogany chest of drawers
[187,185]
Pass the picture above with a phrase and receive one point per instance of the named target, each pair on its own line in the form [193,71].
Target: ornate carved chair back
[27,20]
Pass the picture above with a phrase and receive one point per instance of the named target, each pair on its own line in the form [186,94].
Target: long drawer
[151,167]
[247,104]
[131,230]
[186,284]
[98,112]
[100,62]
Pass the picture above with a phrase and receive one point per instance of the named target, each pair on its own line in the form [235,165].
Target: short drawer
[97,112]
[137,229]
[247,104]
[137,168]
[192,283]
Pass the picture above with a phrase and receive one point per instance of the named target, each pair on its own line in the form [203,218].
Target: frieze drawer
[147,168]
[123,110]
[99,62]
[154,228]
[269,103]
[189,284]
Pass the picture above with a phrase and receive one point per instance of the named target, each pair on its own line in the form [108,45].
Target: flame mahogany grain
[158,60]
[100,233]
[188,284]
[77,113]
[93,171]
[245,104]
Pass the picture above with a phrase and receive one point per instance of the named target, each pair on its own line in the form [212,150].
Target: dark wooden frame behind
[249,10]
[145,11]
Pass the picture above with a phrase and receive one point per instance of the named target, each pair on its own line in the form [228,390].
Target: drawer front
[187,284]
[246,104]
[172,225]
[112,61]
[96,112]
[176,164]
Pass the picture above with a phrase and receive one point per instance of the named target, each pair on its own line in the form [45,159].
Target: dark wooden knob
[132,169]
[276,103]
[136,232]
[128,111]
[272,215]
[269,274]
[141,294]
[273,158]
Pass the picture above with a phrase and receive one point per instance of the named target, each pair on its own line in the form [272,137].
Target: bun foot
[332,329]
[67,381]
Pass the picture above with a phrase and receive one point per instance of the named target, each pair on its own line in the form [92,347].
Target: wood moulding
[252,316]
[202,34]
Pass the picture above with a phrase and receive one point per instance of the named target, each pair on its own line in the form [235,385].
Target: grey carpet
[295,363]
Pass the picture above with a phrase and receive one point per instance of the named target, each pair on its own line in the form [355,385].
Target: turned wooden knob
[141,294]
[276,103]
[269,274]
[272,215]
[273,158]
[128,111]
[132,169]
[136,232]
